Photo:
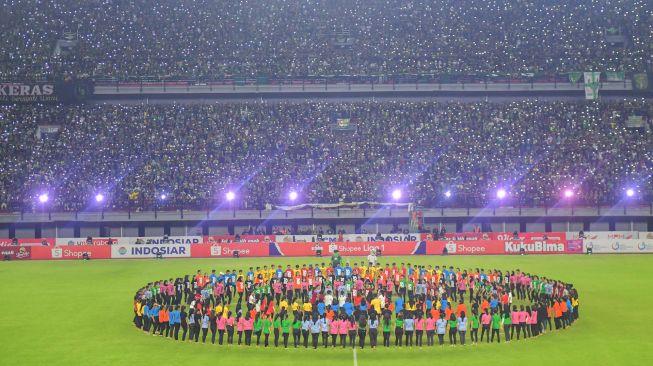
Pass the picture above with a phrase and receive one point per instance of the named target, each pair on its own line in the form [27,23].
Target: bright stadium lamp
[292,195]
[99,197]
[230,196]
[44,198]
[396,194]
[630,192]
[501,193]
[447,194]
[568,193]
[163,196]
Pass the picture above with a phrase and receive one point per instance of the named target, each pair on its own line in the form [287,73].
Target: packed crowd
[193,153]
[336,305]
[208,39]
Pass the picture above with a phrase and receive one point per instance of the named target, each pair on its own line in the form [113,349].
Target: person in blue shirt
[306,328]
[174,322]
[154,313]
[320,308]
[338,271]
[279,273]
[335,307]
[349,308]
[399,305]
[146,317]
[441,328]
[428,303]
[444,303]
[363,306]
[316,328]
[494,302]
[205,326]
[409,329]
[348,271]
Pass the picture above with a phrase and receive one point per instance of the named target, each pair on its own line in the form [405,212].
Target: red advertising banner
[71,252]
[213,239]
[5,242]
[500,236]
[16,252]
[228,249]
[466,247]
[347,248]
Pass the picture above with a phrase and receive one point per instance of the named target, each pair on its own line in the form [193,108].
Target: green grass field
[75,312]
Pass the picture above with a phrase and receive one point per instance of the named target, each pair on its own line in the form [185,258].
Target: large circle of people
[344,305]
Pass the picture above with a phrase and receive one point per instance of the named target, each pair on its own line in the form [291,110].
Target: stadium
[321,182]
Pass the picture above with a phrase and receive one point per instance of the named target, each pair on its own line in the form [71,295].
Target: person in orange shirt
[448,313]
[484,305]
[460,308]
[557,314]
[164,319]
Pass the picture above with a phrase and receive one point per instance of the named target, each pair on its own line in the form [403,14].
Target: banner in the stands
[16,252]
[594,235]
[347,238]
[212,239]
[345,248]
[72,252]
[467,247]
[228,249]
[619,245]
[150,251]
[500,236]
[6,242]
[88,241]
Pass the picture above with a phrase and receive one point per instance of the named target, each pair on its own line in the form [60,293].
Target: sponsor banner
[71,252]
[646,235]
[5,242]
[212,239]
[500,236]
[347,248]
[84,241]
[16,252]
[228,249]
[150,251]
[575,246]
[358,238]
[45,92]
[466,247]
[594,235]
[619,245]
[160,240]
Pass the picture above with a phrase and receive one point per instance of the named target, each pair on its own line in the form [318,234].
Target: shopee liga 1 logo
[122,250]
[451,247]
[57,253]
[216,250]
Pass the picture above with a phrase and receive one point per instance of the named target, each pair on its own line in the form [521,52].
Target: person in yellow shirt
[295,306]
[376,305]
[283,304]
[308,308]
[218,309]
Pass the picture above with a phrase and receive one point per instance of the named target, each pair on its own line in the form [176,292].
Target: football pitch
[80,313]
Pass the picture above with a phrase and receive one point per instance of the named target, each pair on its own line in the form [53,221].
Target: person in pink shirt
[522,318]
[430,329]
[485,325]
[230,328]
[419,330]
[333,331]
[514,319]
[351,327]
[248,326]
[533,323]
[221,322]
[240,324]
[343,329]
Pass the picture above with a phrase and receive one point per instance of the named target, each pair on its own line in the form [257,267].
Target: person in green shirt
[277,325]
[453,329]
[336,259]
[267,327]
[475,325]
[258,327]
[507,322]
[399,329]
[496,325]
[386,323]
[285,328]
[296,330]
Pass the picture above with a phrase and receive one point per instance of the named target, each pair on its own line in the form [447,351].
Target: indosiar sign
[150,251]
[45,92]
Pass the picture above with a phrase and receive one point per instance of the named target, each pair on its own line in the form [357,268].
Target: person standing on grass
[258,327]
[533,322]
[486,319]
[213,324]
[276,326]
[191,324]
[373,325]
[174,322]
[343,330]
[409,329]
[452,329]
[475,324]
[240,324]
[324,328]
[334,325]
[146,317]
[306,329]
[222,327]
[205,321]
[462,327]
[183,320]
[441,328]
[399,329]
[430,329]
[154,313]
[362,330]
[351,330]
[419,330]
[230,328]
[315,329]
[267,327]
[496,325]
[387,328]
[506,320]
[285,328]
